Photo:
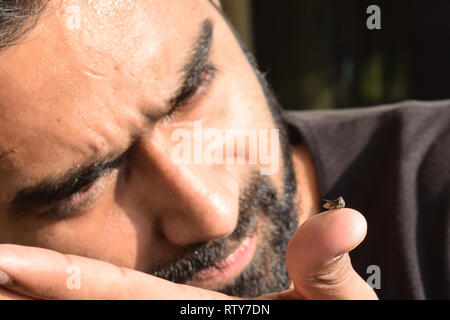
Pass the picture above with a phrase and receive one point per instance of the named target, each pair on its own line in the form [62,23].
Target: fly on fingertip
[338,203]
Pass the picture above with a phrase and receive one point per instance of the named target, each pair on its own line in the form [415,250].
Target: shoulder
[408,124]
[413,110]
[407,139]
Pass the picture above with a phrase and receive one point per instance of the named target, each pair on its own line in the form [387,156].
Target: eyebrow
[191,72]
[51,191]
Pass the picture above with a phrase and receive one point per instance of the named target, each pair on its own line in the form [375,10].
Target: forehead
[80,80]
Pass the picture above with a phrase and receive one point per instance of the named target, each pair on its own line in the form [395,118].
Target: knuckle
[122,289]
[47,293]
[337,274]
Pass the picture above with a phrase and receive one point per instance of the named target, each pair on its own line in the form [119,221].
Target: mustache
[201,256]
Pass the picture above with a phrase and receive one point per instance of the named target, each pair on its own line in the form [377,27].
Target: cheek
[115,232]
[104,233]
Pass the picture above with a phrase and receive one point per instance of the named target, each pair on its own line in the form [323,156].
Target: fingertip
[351,225]
[317,256]
[326,236]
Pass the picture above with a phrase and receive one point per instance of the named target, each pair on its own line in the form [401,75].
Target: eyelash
[207,76]
[76,202]
[86,196]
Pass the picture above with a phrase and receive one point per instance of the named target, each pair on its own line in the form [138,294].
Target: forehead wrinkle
[5,154]
[96,146]
[5,159]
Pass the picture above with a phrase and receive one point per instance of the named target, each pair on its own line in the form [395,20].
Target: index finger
[44,273]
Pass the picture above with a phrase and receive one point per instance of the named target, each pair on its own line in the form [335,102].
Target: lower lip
[235,263]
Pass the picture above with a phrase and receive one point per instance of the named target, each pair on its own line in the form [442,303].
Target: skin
[70,95]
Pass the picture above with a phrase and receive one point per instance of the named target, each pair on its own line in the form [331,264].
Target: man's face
[89,103]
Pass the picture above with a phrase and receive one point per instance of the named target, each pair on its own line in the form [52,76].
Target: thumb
[317,256]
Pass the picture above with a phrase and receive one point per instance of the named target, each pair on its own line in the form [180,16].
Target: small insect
[339,203]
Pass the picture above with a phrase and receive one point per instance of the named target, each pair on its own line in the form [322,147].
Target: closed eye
[197,85]
[72,194]
[81,199]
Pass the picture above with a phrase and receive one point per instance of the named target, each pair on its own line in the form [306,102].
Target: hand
[318,261]
[39,273]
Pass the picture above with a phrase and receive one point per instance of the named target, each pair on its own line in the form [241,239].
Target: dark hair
[17,17]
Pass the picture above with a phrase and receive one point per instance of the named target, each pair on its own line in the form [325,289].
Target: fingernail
[4,279]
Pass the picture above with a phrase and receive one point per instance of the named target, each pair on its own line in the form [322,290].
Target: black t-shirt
[391,163]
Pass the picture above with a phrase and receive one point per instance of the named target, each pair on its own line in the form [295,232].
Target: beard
[261,208]
[266,272]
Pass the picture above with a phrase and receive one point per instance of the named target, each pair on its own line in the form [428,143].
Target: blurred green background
[319,53]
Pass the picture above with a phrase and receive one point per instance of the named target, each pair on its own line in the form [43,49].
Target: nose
[190,202]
